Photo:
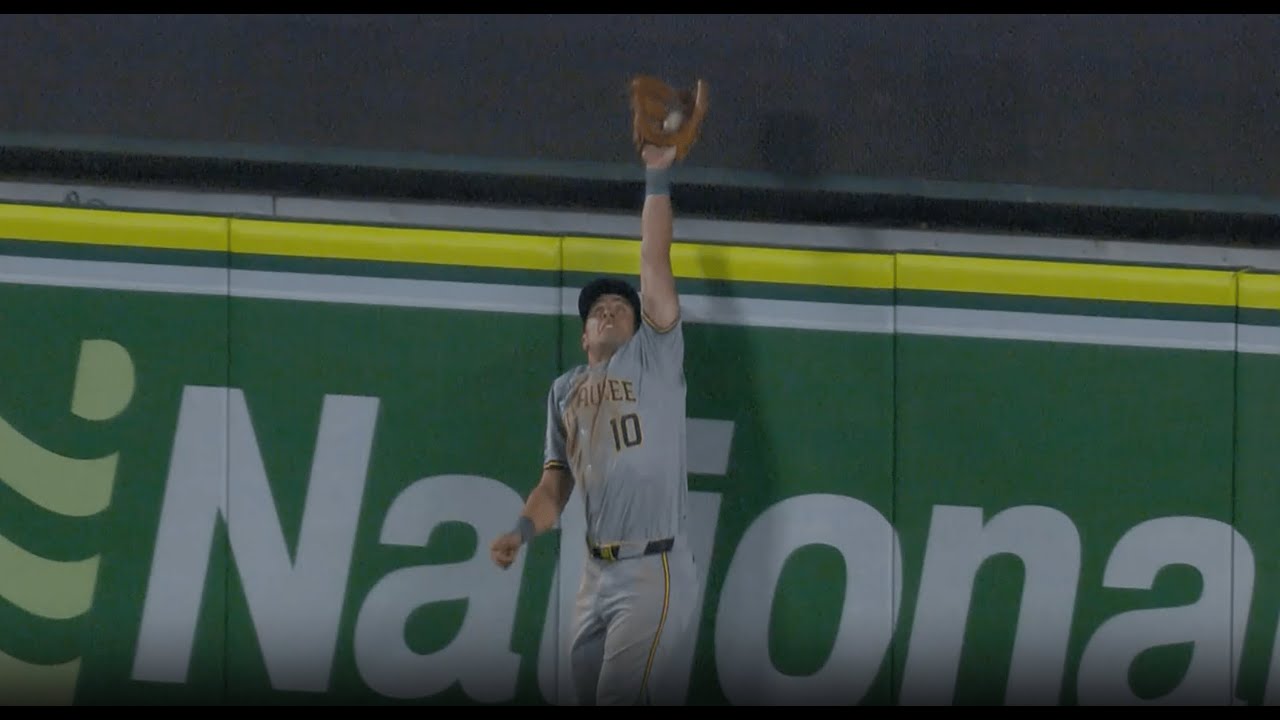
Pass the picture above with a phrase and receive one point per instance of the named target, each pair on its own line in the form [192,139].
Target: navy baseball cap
[607,286]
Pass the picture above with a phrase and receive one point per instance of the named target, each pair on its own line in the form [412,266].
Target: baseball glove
[665,116]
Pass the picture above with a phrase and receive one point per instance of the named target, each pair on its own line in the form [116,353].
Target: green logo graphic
[71,487]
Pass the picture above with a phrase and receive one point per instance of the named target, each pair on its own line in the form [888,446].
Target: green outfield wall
[258,461]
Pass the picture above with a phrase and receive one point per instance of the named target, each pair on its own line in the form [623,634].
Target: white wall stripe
[759,312]
[113,275]
[1132,332]
[1259,340]
[396,292]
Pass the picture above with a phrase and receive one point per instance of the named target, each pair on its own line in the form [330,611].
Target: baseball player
[616,431]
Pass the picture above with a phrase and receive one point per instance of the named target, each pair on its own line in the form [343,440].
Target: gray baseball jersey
[619,428]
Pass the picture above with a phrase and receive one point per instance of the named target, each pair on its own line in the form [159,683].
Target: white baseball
[674,118]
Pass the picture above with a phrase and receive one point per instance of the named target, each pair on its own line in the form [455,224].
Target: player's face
[610,323]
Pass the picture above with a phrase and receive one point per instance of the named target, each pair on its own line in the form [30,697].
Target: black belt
[618,551]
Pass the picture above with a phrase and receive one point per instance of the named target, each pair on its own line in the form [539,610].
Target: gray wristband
[657,181]
[524,528]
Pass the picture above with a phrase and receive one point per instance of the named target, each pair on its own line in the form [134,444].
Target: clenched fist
[504,549]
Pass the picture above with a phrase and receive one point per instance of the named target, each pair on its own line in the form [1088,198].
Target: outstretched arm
[657,282]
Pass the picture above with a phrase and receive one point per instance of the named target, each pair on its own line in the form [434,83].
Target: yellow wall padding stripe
[742,264]
[355,242]
[1260,292]
[1086,281]
[1035,278]
[113,228]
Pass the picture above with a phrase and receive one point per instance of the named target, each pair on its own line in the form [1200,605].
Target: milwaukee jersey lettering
[619,428]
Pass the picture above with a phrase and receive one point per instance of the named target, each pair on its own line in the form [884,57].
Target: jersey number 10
[626,431]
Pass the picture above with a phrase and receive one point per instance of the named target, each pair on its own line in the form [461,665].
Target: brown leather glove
[665,116]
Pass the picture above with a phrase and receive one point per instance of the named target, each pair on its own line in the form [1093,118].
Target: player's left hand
[503,550]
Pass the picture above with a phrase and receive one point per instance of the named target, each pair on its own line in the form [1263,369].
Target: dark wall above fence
[1006,107]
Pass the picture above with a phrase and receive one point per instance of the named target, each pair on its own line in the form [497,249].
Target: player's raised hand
[658,158]
[504,549]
